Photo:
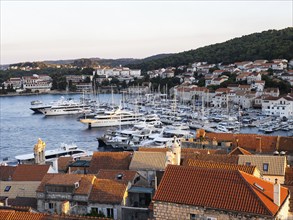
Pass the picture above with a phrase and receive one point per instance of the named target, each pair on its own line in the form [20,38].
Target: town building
[201,193]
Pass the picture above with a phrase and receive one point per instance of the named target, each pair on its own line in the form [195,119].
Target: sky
[53,30]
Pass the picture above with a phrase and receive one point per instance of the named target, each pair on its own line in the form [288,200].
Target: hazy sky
[51,30]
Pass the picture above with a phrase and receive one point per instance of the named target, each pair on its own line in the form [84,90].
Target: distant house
[251,78]
[275,92]
[201,193]
[278,106]
[242,76]
[242,65]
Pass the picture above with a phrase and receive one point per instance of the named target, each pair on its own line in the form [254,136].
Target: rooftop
[236,191]
[109,160]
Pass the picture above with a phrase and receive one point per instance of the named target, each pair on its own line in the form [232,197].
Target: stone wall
[164,210]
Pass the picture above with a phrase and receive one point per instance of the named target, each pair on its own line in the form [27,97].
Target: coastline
[63,92]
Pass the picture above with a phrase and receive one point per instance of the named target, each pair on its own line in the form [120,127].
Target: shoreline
[42,93]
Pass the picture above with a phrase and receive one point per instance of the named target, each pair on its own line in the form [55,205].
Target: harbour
[21,127]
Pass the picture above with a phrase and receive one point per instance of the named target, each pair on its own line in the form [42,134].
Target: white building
[278,106]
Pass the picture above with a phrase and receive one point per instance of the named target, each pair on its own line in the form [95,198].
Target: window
[194,216]
[95,210]
[247,163]
[110,212]
[7,188]
[51,205]
[211,218]
[265,167]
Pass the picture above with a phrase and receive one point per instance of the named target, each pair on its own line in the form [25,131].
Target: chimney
[277,192]
[6,201]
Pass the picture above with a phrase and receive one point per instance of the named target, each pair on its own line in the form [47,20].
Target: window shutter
[115,213]
[46,206]
[105,211]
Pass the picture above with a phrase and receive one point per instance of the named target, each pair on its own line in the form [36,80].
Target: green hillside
[271,44]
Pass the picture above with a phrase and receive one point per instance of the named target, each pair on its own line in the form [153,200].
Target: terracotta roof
[109,160]
[285,144]
[227,90]
[23,201]
[127,175]
[227,190]
[63,163]
[148,161]
[253,142]
[276,164]
[25,172]
[219,158]
[85,182]
[6,172]
[106,191]
[183,150]
[239,150]
[289,176]
[16,215]
[225,166]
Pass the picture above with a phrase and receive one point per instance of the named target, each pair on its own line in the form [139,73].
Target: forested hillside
[271,44]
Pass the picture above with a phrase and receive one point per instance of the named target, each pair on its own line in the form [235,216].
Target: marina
[147,123]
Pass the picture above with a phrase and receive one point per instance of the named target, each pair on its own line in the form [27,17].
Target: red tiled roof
[225,166]
[107,191]
[64,162]
[25,172]
[6,172]
[85,182]
[109,160]
[219,158]
[229,190]
[253,142]
[183,150]
[127,175]
[289,176]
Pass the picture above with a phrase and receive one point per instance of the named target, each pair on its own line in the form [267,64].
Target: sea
[20,128]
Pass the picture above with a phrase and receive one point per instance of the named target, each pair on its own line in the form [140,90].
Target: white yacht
[117,118]
[64,150]
[65,107]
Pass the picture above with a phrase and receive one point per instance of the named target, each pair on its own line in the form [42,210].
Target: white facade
[282,107]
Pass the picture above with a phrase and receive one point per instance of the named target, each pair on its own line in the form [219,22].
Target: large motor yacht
[64,150]
[117,118]
[65,107]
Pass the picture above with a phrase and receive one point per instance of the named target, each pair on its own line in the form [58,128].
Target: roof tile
[218,189]
[225,166]
[107,191]
[26,172]
[148,161]
[109,160]
[6,172]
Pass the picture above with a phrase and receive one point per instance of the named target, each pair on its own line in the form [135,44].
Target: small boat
[36,102]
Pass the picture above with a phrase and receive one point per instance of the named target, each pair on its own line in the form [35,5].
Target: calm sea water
[21,128]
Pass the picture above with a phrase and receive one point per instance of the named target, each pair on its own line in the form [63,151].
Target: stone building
[201,193]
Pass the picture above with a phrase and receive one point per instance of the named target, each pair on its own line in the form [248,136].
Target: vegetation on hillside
[271,44]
